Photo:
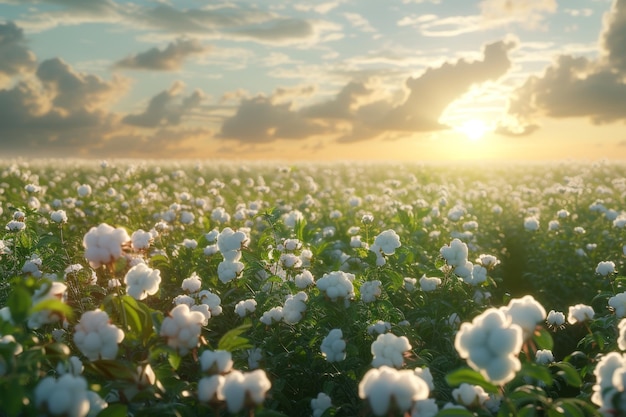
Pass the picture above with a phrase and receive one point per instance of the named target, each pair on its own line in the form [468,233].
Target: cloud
[15,57]
[259,119]
[169,59]
[359,111]
[574,86]
[166,108]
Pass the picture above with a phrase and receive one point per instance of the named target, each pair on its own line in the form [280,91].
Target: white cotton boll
[184,299]
[15,226]
[290,260]
[428,283]
[410,283]
[455,254]
[618,304]
[220,215]
[208,388]
[212,300]
[273,315]
[621,338]
[425,408]
[337,284]
[604,371]
[141,240]
[190,243]
[580,313]
[96,404]
[96,337]
[388,350]
[526,312]
[239,387]
[544,356]
[605,268]
[387,241]
[379,327]
[205,310]
[182,328]
[555,318]
[531,223]
[465,271]
[381,386]
[333,346]
[141,281]
[216,361]
[228,270]
[320,404]
[242,308]
[294,307]
[370,291]
[59,216]
[192,284]
[425,375]
[304,279]
[65,396]
[470,395]
[210,250]
[290,219]
[103,244]
[229,240]
[83,190]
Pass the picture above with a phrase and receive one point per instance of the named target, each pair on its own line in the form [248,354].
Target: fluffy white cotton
[229,270]
[379,327]
[273,315]
[605,268]
[609,373]
[59,216]
[294,307]
[66,396]
[182,328]
[580,313]
[621,337]
[370,291]
[618,304]
[304,279]
[96,337]
[470,396]
[208,388]
[333,346]
[141,281]
[103,244]
[526,312]
[337,284]
[320,404]
[216,361]
[241,390]
[212,300]
[192,284]
[385,386]
[531,223]
[555,318]
[229,244]
[491,344]
[428,283]
[425,408]
[244,307]
[455,254]
[544,356]
[141,240]
[388,350]
[387,242]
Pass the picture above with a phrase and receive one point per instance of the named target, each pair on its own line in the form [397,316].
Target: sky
[410,80]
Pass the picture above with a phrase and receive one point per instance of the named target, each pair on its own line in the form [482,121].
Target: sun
[474,129]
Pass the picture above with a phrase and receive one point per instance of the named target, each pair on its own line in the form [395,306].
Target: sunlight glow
[474,129]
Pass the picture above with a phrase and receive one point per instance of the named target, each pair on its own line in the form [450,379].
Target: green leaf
[232,340]
[174,359]
[114,410]
[12,398]
[568,373]
[469,376]
[56,305]
[543,339]
[537,372]
[111,369]
[19,304]
[454,412]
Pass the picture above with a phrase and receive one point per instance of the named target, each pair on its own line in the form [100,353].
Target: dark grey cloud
[577,86]
[15,57]
[258,119]
[169,59]
[166,108]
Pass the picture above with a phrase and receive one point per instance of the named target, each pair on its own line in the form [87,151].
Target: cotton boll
[525,312]
[304,279]
[242,308]
[227,270]
[455,254]
[273,315]
[385,386]
[388,350]
[370,291]
[428,283]
[240,387]
[141,281]
[605,268]
[320,404]
[580,313]
[294,307]
[182,328]
[216,361]
[387,241]
[544,356]
[471,396]
[65,396]
[192,284]
[337,284]
[333,346]
[103,244]
[208,388]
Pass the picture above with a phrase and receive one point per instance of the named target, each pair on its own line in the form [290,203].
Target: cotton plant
[580,313]
[53,291]
[526,312]
[216,362]
[182,328]
[96,337]
[388,390]
[104,244]
[142,281]
[605,268]
[229,244]
[490,344]
[65,396]
[470,396]
[371,291]
[389,350]
[337,285]
[245,307]
[385,244]
[334,346]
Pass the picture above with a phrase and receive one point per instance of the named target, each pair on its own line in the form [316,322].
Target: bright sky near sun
[313,80]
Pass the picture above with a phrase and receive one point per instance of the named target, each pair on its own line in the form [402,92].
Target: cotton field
[210,288]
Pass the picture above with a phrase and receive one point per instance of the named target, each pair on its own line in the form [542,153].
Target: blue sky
[343,79]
